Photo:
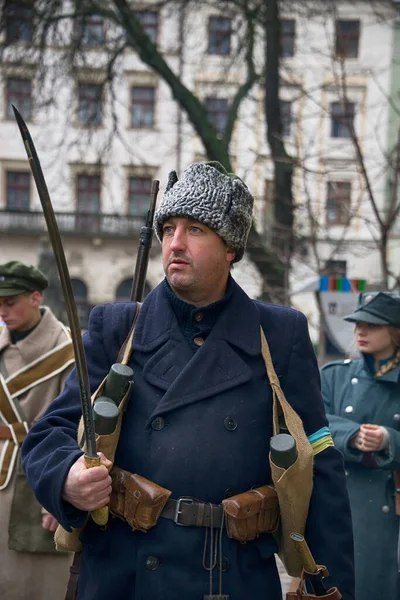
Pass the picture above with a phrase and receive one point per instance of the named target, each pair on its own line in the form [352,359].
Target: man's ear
[36,298]
[230,254]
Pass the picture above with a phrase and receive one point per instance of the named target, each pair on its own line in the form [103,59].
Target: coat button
[396,417]
[348,409]
[354,381]
[224,565]
[152,563]
[198,317]
[385,508]
[347,361]
[230,423]
[158,424]
[199,341]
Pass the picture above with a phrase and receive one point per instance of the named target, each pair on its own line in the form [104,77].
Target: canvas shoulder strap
[12,387]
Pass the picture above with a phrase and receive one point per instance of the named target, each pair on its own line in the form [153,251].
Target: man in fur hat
[197,429]
[35,357]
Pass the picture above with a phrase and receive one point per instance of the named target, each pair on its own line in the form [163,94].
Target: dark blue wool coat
[352,397]
[194,454]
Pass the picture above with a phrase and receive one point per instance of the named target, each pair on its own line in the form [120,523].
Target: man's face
[196,260]
[20,312]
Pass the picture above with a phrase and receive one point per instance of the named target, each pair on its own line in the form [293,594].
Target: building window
[91,31]
[19,21]
[142,107]
[19,93]
[139,196]
[88,202]
[149,22]
[218,112]
[342,114]
[90,108]
[335,268]
[347,38]
[18,190]
[286,117]
[288,36]
[338,202]
[219,36]
[123,293]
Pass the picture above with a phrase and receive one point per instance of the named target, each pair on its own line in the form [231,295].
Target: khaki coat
[33,575]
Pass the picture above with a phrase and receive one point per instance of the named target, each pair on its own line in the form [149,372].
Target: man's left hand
[49,522]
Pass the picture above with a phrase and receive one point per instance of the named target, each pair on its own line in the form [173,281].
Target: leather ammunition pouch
[251,513]
[136,500]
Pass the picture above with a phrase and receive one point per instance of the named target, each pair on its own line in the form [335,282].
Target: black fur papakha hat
[209,194]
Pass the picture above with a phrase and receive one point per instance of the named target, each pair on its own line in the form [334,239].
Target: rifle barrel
[145,240]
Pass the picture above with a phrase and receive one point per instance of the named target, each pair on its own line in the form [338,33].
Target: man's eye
[168,229]
[195,229]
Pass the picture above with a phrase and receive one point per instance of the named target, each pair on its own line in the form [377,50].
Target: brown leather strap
[74,570]
[190,512]
[396,476]
[5,433]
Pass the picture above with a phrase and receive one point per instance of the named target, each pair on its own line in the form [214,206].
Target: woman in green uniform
[362,401]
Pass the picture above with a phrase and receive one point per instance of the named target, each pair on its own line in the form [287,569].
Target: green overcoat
[352,396]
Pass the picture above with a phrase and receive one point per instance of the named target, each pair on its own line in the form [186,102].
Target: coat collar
[238,324]
[391,377]
[215,367]
[39,341]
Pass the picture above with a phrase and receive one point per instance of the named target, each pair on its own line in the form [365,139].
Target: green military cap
[378,308]
[17,278]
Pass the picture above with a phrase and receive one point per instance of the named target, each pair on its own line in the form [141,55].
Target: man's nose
[178,242]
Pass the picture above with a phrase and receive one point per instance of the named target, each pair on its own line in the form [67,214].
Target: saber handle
[99,515]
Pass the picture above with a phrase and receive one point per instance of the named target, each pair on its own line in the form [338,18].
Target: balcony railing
[71,223]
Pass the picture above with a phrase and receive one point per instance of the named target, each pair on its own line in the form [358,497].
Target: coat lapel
[215,367]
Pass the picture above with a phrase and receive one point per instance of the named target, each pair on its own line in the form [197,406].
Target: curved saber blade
[55,239]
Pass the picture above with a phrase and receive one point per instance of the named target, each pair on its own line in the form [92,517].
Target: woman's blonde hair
[394,333]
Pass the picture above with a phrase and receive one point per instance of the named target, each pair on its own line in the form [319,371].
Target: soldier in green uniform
[362,400]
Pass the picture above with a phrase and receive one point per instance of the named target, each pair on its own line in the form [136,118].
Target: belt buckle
[178,510]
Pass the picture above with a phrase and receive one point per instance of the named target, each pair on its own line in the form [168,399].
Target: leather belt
[5,433]
[190,512]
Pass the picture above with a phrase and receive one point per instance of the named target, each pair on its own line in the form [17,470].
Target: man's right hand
[88,489]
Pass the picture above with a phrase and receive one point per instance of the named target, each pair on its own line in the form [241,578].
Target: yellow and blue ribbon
[320,440]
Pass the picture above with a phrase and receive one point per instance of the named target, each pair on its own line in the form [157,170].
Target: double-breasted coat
[27,574]
[199,424]
[352,397]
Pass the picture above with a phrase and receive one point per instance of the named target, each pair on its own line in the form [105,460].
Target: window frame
[23,16]
[82,27]
[218,37]
[286,118]
[341,122]
[288,39]
[215,114]
[24,207]
[144,195]
[342,201]
[89,122]
[9,114]
[147,107]
[152,30]
[347,45]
